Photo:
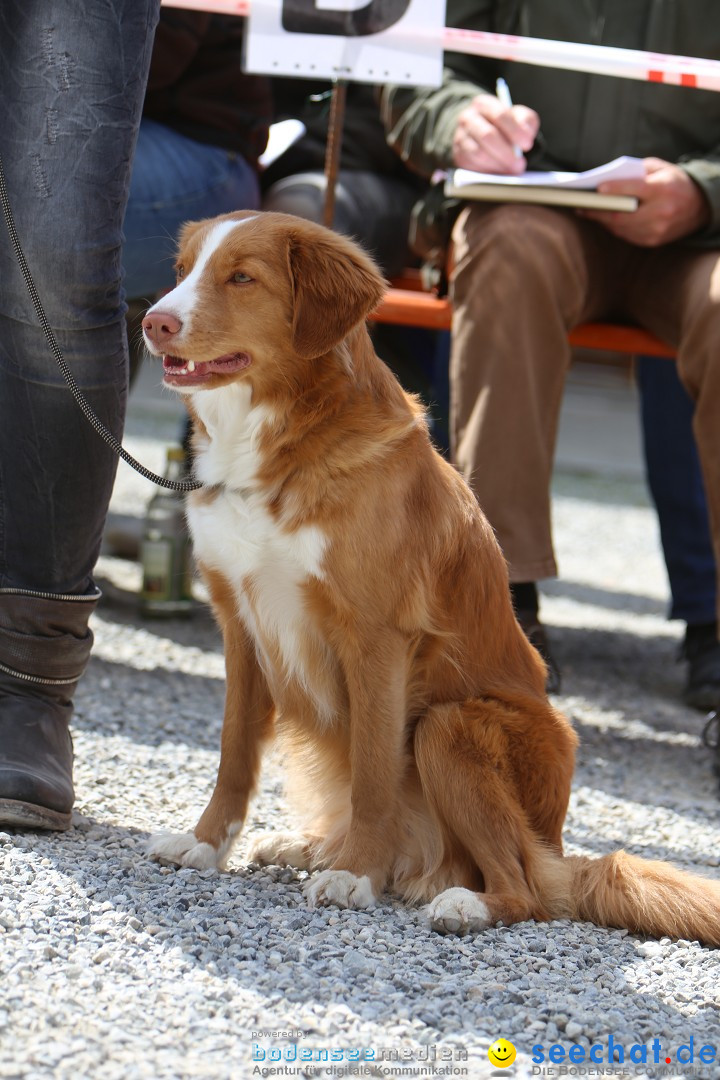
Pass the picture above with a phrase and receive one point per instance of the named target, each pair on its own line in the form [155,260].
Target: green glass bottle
[165,552]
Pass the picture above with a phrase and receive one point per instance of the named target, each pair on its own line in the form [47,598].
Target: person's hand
[671,206]
[487,133]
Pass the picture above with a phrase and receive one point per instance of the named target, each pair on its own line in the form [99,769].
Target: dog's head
[256,292]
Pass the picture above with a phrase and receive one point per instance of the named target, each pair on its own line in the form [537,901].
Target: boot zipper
[78,597]
[37,678]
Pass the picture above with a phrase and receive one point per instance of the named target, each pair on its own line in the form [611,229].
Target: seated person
[375,192]
[204,125]
[523,275]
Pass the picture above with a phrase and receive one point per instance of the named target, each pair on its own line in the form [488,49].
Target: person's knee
[698,361]
[79,284]
[508,227]
[302,195]
[511,250]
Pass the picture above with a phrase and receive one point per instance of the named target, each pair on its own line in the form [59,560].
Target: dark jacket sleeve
[586,119]
[705,171]
[420,121]
[178,38]
[197,86]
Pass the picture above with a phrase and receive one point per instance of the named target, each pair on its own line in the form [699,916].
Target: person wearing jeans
[675,480]
[204,125]
[176,179]
[72,80]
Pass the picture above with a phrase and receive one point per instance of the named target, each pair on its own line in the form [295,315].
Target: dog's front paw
[341,888]
[280,849]
[458,911]
[183,849]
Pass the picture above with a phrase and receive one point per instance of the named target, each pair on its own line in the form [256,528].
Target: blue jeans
[72,81]
[174,180]
[676,485]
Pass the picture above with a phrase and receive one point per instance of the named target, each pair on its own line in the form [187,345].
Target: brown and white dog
[365,610]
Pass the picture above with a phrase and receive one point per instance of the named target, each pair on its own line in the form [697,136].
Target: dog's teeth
[191,365]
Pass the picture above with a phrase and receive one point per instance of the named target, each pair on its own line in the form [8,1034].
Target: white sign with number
[379,41]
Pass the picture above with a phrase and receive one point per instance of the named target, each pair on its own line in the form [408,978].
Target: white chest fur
[265,564]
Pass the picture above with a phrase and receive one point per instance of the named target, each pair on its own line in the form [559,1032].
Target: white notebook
[553,188]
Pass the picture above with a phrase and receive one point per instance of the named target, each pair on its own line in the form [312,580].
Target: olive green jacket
[585,120]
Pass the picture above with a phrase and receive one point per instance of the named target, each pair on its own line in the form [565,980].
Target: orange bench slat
[612,337]
[406,303]
[414,308]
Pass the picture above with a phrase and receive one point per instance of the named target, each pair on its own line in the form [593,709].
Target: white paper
[621,168]
[409,51]
[282,135]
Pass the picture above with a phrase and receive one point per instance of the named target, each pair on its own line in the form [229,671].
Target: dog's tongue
[231,362]
[175,365]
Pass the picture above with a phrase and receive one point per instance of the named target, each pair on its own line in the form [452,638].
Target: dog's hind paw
[280,849]
[183,849]
[341,889]
[458,911]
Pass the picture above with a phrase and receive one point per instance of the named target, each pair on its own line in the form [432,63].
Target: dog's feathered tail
[640,895]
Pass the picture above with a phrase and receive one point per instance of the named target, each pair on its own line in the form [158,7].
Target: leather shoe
[45,643]
[36,788]
[702,689]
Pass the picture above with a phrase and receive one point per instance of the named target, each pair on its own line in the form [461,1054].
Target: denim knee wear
[72,77]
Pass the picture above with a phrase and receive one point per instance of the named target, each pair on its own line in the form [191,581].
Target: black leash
[102,431]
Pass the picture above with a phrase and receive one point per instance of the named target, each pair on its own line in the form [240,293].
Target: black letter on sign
[302,17]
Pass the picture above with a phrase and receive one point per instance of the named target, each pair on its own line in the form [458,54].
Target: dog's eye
[180,272]
[240,278]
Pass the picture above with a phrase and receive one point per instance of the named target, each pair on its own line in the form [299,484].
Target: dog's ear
[185,246]
[188,230]
[335,286]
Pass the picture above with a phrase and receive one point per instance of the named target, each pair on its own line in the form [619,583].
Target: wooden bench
[407,303]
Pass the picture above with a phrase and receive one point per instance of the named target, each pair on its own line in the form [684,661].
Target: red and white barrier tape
[568,55]
[596,59]
[221,7]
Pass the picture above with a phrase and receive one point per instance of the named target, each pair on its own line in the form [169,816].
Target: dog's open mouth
[177,370]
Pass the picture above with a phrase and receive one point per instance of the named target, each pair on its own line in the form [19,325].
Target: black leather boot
[701,649]
[45,644]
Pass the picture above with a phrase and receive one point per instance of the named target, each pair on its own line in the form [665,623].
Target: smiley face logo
[501,1053]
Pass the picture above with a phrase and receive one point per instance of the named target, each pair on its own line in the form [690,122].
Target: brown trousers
[523,276]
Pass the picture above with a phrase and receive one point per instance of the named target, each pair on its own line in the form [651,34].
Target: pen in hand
[502,93]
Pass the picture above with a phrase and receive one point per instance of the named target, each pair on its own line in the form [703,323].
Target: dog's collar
[212,491]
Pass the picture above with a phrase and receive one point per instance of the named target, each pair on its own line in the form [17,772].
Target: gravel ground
[114,967]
